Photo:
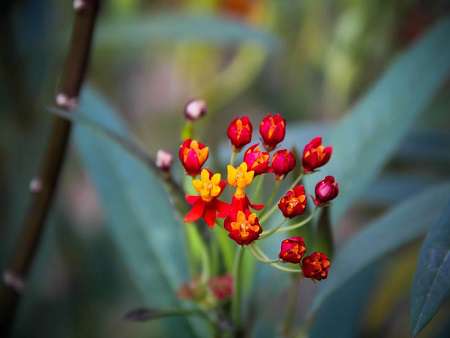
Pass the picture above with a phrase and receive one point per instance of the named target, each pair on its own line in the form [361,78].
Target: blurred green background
[311,60]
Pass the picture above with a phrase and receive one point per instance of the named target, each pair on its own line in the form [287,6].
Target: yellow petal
[204,176]
[197,184]
[215,190]
[231,173]
[249,177]
[243,166]
[215,179]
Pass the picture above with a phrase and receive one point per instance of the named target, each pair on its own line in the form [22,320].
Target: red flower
[272,129]
[241,204]
[292,250]
[293,203]
[326,190]
[316,266]
[222,286]
[315,155]
[257,160]
[283,162]
[242,228]
[240,132]
[193,155]
[207,205]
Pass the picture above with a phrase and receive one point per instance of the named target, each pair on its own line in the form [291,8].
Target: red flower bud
[193,155]
[283,162]
[240,132]
[164,160]
[315,155]
[326,190]
[257,160]
[293,203]
[222,286]
[292,250]
[272,129]
[316,266]
[244,228]
[195,109]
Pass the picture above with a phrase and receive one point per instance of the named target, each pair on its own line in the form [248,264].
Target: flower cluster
[241,218]
[314,266]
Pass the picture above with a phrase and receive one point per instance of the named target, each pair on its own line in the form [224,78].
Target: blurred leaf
[146,314]
[351,300]
[365,139]
[140,217]
[432,279]
[404,223]
[324,236]
[179,27]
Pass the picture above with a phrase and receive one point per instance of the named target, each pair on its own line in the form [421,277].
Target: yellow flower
[208,187]
[240,178]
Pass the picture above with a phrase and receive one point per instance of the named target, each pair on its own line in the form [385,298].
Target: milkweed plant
[218,298]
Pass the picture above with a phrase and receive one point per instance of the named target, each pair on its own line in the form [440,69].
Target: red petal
[191,199]
[257,206]
[210,216]
[196,212]
[223,209]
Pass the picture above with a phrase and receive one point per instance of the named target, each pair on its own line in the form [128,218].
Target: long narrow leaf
[432,279]
[403,224]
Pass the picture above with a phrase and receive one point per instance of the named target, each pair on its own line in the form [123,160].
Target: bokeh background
[310,60]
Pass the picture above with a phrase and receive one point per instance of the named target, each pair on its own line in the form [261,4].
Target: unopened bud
[164,160]
[78,5]
[13,281]
[195,109]
[68,103]
[35,185]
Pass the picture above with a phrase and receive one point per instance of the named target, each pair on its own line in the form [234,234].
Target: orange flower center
[245,225]
[207,187]
[319,151]
[294,201]
[202,154]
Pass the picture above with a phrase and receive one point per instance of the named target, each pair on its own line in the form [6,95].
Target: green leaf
[366,138]
[179,27]
[432,279]
[404,223]
[146,314]
[324,241]
[351,300]
[140,217]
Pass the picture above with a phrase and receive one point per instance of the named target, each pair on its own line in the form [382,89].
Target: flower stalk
[236,300]
[44,185]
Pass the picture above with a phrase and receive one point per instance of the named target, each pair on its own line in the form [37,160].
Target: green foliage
[432,280]
[368,136]
[401,225]
[180,27]
[139,215]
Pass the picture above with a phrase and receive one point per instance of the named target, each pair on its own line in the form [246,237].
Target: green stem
[296,181]
[262,259]
[258,188]
[263,256]
[236,300]
[297,225]
[233,155]
[275,190]
[269,232]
